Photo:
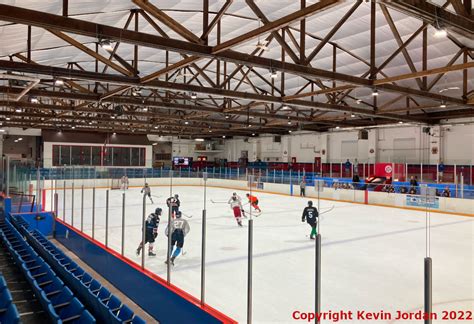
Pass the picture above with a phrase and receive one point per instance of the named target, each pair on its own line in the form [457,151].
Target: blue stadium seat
[71,312]
[3,283]
[10,315]
[94,287]
[125,315]
[114,304]
[138,320]
[5,299]
[104,295]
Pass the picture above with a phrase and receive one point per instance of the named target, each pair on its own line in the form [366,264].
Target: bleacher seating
[105,306]
[42,277]
[8,311]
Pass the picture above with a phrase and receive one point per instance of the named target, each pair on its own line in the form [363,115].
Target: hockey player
[174,203]
[147,191]
[236,206]
[151,231]
[254,202]
[124,182]
[236,196]
[310,214]
[179,229]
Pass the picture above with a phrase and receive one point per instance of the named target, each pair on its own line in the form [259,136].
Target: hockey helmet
[178,214]
[176,196]
[146,184]
[310,203]
[158,211]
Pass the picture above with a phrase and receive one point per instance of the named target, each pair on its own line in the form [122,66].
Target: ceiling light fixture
[440,32]
[199,139]
[337,127]
[156,127]
[359,101]
[352,115]
[58,82]
[223,136]
[34,100]
[253,134]
[442,105]
[289,131]
[7,118]
[193,95]
[400,122]
[106,44]
[285,107]
[273,74]
[375,93]
[18,110]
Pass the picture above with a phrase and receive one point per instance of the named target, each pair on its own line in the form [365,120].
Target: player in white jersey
[236,206]
[124,182]
[179,229]
[146,190]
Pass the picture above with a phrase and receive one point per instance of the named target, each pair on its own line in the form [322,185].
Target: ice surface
[372,257]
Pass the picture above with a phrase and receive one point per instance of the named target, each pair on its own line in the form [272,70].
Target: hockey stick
[256,214]
[327,211]
[218,202]
[186,215]
[156,196]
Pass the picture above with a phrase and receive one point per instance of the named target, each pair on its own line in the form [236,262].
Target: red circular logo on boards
[388,169]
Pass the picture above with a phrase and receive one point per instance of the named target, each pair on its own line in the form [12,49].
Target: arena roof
[215,67]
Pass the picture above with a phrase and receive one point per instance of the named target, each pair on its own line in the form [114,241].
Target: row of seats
[8,311]
[57,300]
[105,306]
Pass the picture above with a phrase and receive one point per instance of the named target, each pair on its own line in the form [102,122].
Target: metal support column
[123,224]
[249,272]
[82,208]
[317,278]
[93,212]
[72,205]
[107,218]
[203,246]
[428,290]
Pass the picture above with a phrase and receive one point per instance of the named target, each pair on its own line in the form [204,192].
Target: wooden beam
[432,13]
[167,20]
[398,38]
[217,17]
[275,25]
[459,8]
[333,31]
[90,52]
[275,34]
[446,69]
[65,8]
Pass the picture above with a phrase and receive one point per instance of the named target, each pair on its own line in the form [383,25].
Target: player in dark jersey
[151,231]
[174,203]
[179,229]
[310,215]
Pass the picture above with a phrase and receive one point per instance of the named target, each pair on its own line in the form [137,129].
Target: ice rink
[372,257]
